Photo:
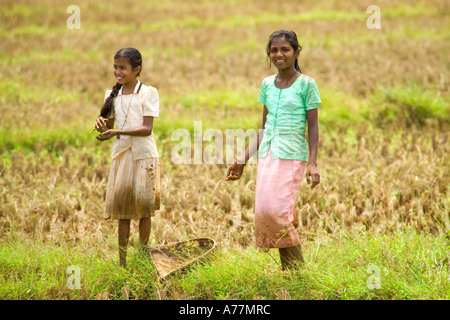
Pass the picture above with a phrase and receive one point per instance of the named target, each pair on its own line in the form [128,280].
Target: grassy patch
[350,266]
[14,92]
[401,266]
[46,270]
[39,139]
[410,105]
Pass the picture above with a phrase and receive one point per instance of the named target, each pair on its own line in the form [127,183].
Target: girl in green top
[290,101]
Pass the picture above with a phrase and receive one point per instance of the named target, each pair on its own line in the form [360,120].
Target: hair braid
[108,105]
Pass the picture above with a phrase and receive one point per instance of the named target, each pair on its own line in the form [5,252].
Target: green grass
[406,265]
[15,92]
[41,270]
[410,267]
[53,140]
[409,105]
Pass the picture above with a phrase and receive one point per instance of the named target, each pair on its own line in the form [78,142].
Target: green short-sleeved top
[286,121]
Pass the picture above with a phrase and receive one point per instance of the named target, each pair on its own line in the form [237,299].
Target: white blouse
[129,112]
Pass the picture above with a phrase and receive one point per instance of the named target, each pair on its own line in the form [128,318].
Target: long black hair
[135,58]
[290,37]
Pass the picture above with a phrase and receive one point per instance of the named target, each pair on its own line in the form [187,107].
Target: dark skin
[127,76]
[312,174]
[106,127]
[107,131]
[283,56]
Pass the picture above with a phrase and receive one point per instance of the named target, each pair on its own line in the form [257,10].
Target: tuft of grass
[43,270]
[341,109]
[17,93]
[350,266]
[410,105]
[54,140]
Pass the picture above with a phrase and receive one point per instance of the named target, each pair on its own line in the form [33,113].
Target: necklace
[128,110]
[288,81]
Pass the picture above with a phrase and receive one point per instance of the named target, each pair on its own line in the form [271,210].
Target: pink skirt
[133,187]
[277,185]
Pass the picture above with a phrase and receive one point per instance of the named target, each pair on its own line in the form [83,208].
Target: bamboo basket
[176,256]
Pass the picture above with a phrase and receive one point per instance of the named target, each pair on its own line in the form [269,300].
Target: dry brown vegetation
[376,176]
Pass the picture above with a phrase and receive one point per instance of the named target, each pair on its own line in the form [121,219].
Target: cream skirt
[133,187]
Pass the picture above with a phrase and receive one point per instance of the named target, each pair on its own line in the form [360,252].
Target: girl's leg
[124,235]
[290,257]
[144,232]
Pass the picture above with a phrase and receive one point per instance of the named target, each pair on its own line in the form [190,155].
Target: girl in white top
[133,184]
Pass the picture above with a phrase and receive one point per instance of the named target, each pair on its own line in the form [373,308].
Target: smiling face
[282,55]
[124,72]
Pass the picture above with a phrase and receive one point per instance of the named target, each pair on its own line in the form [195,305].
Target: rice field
[383,124]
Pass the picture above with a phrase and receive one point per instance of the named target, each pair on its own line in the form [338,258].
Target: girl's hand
[100,124]
[106,135]
[313,173]
[235,171]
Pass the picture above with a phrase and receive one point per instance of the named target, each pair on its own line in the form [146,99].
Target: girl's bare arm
[235,169]
[144,130]
[313,141]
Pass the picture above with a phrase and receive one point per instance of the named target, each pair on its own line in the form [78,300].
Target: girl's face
[124,71]
[282,54]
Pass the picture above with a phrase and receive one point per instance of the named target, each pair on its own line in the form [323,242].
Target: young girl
[290,100]
[133,184]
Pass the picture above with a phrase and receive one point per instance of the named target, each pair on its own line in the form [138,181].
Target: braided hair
[290,37]
[135,58]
